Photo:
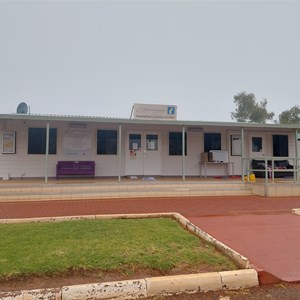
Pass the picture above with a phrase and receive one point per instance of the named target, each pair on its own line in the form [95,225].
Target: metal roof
[95,119]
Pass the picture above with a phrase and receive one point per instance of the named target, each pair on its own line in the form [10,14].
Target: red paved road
[262,229]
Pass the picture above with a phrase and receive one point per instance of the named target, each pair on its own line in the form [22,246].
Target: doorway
[257,146]
[143,154]
[280,145]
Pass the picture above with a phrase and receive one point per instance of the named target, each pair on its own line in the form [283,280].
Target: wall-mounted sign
[132,154]
[77,142]
[8,142]
[155,112]
[236,145]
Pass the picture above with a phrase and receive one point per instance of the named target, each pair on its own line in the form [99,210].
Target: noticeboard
[9,142]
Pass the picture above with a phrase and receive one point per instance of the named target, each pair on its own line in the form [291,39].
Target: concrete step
[35,192]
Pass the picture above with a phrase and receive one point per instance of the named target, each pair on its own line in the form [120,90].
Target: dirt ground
[86,277]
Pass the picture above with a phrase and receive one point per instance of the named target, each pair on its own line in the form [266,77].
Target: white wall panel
[24,165]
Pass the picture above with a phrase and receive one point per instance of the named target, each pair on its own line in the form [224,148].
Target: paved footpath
[262,229]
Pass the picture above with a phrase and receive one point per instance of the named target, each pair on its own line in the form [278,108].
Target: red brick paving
[189,206]
[262,229]
[270,242]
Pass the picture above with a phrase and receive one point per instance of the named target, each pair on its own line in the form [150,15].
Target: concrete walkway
[262,229]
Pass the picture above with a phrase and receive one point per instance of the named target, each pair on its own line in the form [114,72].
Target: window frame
[152,142]
[109,135]
[175,146]
[37,137]
[135,141]
[280,145]
[256,144]
[210,141]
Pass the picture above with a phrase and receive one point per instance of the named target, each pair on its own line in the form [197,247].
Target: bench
[70,168]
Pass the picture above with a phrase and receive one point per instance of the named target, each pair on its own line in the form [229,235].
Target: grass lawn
[104,245]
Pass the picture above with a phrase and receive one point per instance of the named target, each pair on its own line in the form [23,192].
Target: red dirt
[86,277]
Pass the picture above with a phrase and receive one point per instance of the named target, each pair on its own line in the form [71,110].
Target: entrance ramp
[269,239]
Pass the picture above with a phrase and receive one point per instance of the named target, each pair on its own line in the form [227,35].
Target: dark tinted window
[280,145]
[256,144]
[175,143]
[212,141]
[107,142]
[37,140]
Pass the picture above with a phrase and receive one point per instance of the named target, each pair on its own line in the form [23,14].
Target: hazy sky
[98,58]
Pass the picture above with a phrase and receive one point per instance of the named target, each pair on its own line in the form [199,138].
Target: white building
[137,146]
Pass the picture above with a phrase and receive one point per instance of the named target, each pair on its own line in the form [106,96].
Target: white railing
[269,170]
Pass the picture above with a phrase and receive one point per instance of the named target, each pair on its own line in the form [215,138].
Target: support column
[47,152]
[242,152]
[119,152]
[296,163]
[183,153]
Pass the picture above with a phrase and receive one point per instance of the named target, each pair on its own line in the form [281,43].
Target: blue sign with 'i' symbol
[171,110]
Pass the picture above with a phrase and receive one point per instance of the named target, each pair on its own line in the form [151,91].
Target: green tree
[290,116]
[248,110]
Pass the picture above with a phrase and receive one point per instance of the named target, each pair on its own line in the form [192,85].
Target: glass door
[257,146]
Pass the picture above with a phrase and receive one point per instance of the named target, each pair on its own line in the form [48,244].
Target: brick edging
[143,288]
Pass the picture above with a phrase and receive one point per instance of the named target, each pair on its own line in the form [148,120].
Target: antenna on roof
[131,111]
[22,108]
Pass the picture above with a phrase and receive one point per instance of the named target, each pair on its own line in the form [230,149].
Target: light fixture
[77,125]
[195,129]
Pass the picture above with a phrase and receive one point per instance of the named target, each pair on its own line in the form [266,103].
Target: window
[135,142]
[37,140]
[152,142]
[212,141]
[107,142]
[256,144]
[280,145]
[175,143]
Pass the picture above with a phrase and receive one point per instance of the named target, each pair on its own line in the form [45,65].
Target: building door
[280,145]
[257,145]
[143,154]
